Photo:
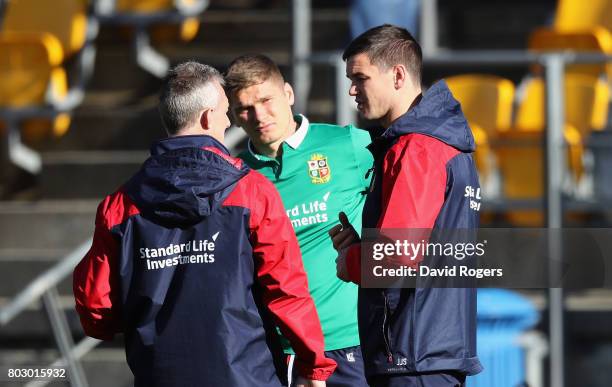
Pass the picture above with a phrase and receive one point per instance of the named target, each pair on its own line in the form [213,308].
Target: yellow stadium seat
[483,154]
[580,15]
[36,39]
[64,19]
[30,75]
[185,31]
[579,26]
[596,39]
[520,157]
[520,162]
[27,62]
[586,104]
[152,6]
[158,20]
[144,6]
[486,101]
[586,109]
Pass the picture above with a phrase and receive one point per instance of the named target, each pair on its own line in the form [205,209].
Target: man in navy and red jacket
[195,261]
[424,336]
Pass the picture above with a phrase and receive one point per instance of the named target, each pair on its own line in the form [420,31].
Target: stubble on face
[369,86]
[263,110]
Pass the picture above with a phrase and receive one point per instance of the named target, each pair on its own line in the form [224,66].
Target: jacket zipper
[372,172]
[385,332]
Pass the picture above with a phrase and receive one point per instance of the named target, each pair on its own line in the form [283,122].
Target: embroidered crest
[318,169]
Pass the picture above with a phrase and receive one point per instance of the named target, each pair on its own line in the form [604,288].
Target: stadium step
[26,268]
[223,35]
[33,323]
[95,173]
[111,120]
[106,366]
[34,236]
[47,224]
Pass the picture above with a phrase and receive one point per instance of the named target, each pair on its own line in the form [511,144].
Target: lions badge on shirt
[318,169]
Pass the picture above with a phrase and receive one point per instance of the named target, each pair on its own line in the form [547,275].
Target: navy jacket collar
[191,141]
[182,182]
[438,115]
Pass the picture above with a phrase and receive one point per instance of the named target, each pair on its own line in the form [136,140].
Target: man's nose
[259,113]
[353,90]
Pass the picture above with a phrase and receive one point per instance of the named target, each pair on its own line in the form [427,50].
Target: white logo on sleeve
[474,195]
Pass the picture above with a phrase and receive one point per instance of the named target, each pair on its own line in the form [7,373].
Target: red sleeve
[413,184]
[353,263]
[413,189]
[95,283]
[285,287]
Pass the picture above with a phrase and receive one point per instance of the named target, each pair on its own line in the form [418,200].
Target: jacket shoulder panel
[115,209]
[422,145]
[235,162]
[252,192]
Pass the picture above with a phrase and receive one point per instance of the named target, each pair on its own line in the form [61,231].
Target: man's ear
[289,93]
[205,118]
[400,76]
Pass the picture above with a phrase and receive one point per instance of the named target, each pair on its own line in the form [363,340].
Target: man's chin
[367,115]
[264,141]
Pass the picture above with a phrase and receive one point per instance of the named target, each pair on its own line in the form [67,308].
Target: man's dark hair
[386,46]
[250,69]
[187,90]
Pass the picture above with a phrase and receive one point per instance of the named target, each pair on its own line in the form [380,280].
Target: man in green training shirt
[319,170]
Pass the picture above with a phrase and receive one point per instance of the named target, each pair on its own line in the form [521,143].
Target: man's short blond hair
[251,69]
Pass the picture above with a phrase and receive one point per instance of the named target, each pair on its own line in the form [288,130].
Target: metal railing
[536,348]
[45,287]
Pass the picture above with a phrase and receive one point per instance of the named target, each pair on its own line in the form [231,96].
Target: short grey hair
[187,89]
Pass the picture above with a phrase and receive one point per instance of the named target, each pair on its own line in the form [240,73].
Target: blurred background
[78,94]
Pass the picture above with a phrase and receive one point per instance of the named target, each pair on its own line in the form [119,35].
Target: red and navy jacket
[422,166]
[196,262]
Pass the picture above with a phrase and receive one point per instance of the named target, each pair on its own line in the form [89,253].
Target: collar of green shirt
[294,141]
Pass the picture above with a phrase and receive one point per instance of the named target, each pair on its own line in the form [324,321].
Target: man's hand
[341,269]
[343,235]
[303,382]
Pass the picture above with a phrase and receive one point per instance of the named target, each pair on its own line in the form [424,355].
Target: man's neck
[275,149]
[403,104]
[190,131]
[269,150]
[199,131]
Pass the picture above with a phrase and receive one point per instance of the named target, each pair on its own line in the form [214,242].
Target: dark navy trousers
[420,380]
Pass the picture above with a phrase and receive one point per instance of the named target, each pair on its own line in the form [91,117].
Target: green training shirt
[322,171]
